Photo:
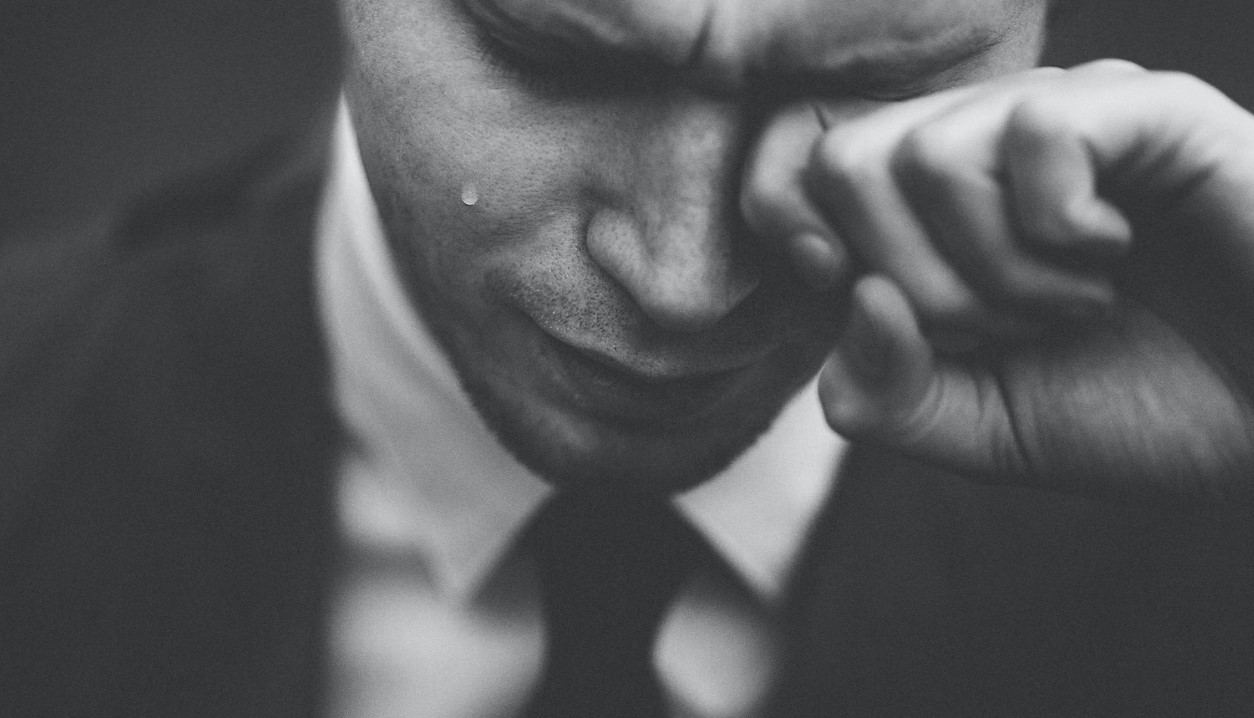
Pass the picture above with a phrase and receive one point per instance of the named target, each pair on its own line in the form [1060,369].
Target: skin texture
[1113,200]
[685,209]
[603,301]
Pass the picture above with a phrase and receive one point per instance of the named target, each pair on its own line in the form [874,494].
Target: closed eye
[556,68]
[553,68]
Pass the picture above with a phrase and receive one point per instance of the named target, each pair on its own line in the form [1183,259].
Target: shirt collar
[424,475]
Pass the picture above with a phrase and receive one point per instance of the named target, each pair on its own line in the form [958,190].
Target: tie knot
[613,534]
[608,567]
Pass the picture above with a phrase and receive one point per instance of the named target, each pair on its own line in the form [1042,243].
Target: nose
[671,240]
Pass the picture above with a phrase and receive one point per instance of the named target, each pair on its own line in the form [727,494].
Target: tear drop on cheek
[470,194]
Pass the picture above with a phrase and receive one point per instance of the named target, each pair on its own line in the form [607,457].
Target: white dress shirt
[435,614]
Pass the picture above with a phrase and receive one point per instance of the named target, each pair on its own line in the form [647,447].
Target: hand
[1090,233]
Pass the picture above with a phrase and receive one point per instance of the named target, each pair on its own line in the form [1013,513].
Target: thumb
[881,370]
[884,384]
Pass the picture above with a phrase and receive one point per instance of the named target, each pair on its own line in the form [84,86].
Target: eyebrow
[892,64]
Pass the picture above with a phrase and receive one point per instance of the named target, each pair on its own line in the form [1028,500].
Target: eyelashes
[535,76]
[564,71]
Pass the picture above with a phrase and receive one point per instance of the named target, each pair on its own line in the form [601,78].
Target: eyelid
[781,92]
[507,60]
[511,50]
[898,90]
[898,93]
[935,78]
[502,56]
[899,86]
[561,68]
[553,66]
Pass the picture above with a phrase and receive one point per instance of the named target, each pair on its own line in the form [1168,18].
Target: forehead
[732,39]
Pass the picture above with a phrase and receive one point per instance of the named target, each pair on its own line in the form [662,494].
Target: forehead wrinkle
[835,41]
[725,44]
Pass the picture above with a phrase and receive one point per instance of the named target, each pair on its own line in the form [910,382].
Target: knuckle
[1183,85]
[1111,66]
[931,154]
[847,158]
[1047,72]
[1039,120]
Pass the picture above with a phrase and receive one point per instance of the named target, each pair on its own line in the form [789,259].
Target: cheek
[454,160]
[436,124]
[426,153]
[457,172]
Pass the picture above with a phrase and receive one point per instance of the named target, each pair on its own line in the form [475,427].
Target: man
[634,230]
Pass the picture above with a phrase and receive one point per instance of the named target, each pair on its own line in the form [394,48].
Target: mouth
[637,397]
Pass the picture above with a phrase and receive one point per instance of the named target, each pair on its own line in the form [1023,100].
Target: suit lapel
[168,522]
[873,581]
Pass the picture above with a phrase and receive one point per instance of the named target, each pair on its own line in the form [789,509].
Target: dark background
[100,100]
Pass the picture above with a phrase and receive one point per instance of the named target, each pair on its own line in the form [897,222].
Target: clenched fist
[1053,275]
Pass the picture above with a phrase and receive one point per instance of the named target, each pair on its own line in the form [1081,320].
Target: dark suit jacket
[166,530]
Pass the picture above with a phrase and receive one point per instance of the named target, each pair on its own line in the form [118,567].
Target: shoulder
[183,339]
[166,442]
[923,589]
[213,264]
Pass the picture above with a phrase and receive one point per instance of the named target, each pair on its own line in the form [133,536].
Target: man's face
[559,180]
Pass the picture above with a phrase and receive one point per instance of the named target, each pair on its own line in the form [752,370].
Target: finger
[948,170]
[1166,139]
[883,384]
[849,178]
[773,201]
[774,205]
[1054,191]
[881,369]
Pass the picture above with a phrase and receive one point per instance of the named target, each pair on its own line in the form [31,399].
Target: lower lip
[621,398]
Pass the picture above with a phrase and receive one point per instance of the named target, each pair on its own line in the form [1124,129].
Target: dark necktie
[608,568]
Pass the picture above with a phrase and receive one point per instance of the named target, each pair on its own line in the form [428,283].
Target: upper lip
[660,368]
